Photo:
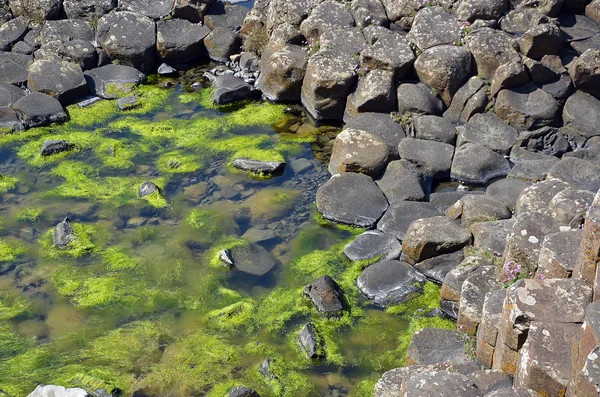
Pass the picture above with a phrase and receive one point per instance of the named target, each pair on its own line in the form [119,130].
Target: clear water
[139,306]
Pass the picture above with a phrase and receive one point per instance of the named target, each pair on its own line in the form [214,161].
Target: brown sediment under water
[139,302]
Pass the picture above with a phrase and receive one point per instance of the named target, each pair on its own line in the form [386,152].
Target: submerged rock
[252,259]
[243,391]
[267,168]
[51,147]
[326,295]
[63,235]
[308,341]
[390,282]
[57,391]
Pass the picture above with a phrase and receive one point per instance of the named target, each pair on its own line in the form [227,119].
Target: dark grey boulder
[375,92]
[582,46]
[62,80]
[444,68]
[550,141]
[417,98]
[252,259]
[509,75]
[112,81]
[434,157]
[582,114]
[230,89]
[469,100]
[507,191]
[50,147]
[471,10]
[129,39]
[41,9]
[13,68]
[585,72]
[444,199]
[155,9]
[527,107]
[369,13]
[489,130]
[402,214]
[9,94]
[403,180]
[282,71]
[326,295]
[434,26]
[436,268]
[380,125]
[9,120]
[66,30]
[221,43]
[372,33]
[582,174]
[352,199]
[327,15]
[577,27]
[128,103]
[491,236]
[490,48]
[349,41]
[191,10]
[270,168]
[434,345]
[561,88]
[532,170]
[474,163]
[434,128]
[242,391]
[390,282]
[225,15]
[63,235]
[390,52]
[546,70]
[544,39]
[309,341]
[88,8]
[38,109]
[178,40]
[12,31]
[79,52]
[147,188]
[373,244]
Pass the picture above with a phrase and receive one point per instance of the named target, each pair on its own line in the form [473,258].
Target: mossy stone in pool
[270,204]
[252,259]
[63,236]
[72,239]
[326,295]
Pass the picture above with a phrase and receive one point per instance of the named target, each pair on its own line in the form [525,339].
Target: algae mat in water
[139,300]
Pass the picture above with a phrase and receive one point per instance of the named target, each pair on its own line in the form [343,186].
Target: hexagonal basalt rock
[491,236]
[487,332]
[225,15]
[282,72]
[474,163]
[555,261]
[472,296]
[358,151]
[391,52]
[417,98]
[434,157]
[113,81]
[434,26]
[527,107]
[587,381]
[326,295]
[436,268]
[473,208]
[452,286]
[489,130]
[434,346]
[369,13]
[543,39]
[37,109]
[221,43]
[375,92]
[429,237]
[568,207]
[403,180]
[401,214]
[351,198]
[327,15]
[155,9]
[13,68]
[582,174]
[537,197]
[490,48]
[62,80]
[88,8]
[178,40]
[582,114]
[434,128]
[390,282]
[380,125]
[469,100]
[372,244]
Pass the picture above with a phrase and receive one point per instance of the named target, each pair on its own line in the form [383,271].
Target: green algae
[179,162]
[280,307]
[81,244]
[116,260]
[13,306]
[269,204]
[29,215]
[7,183]
[239,315]
[94,115]
[156,200]
[212,222]
[11,343]
[226,242]
[11,250]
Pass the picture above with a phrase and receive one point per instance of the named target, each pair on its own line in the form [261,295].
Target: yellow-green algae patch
[7,183]
[179,162]
[93,115]
[81,244]
[29,215]
[10,250]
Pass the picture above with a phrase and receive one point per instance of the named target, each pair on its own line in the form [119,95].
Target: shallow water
[140,304]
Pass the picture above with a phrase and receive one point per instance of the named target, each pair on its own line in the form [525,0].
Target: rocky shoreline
[502,97]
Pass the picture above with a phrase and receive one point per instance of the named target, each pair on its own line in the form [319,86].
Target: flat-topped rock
[369,13]
[434,26]
[352,199]
[489,130]
[435,345]
[402,214]
[555,261]
[87,8]
[472,296]
[476,164]
[37,109]
[582,114]
[569,206]
[252,259]
[512,392]
[390,282]
[267,168]
[373,244]
[358,151]
[375,92]
[434,157]
[507,191]
[491,236]
[473,208]
[403,180]
[380,125]
[327,15]
[537,197]
[452,285]
[489,380]
[221,43]
[527,107]
[434,128]
[225,15]
[417,98]
[582,174]
[532,170]
[113,81]
[62,80]
[326,295]
[444,199]
[9,94]
[178,40]
[436,268]
[429,237]
[491,48]
[230,89]
[66,30]
[14,68]
[390,52]
[191,10]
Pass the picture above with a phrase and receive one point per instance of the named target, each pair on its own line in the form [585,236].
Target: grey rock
[577,27]
[490,380]
[128,103]
[230,89]
[41,10]
[541,40]
[569,206]
[403,180]
[474,208]
[449,348]
[436,268]
[476,164]
[259,167]
[444,199]
[369,13]
[327,15]
[537,197]
[80,52]
[223,15]
[471,10]
[9,120]
[252,259]
[434,26]
[242,391]
[402,214]
[221,43]
[373,244]
[491,236]
[38,109]
[352,199]
[155,9]
[560,88]
[507,191]
[283,11]
[390,52]
[178,40]
[512,392]
[358,151]
[582,174]
[489,130]
[13,68]
[527,107]
[349,41]
[166,70]
[554,261]
[380,125]
[549,141]
[434,128]
[417,98]
[282,72]
[469,100]
[63,235]
[147,188]
[65,30]
[113,81]
[9,94]
[50,147]
[390,282]
[372,33]
[326,295]
[375,92]
[88,8]
[520,20]
[62,80]
[452,285]
[582,114]
[308,341]
[191,10]
[12,31]
[434,157]
[509,75]
[472,296]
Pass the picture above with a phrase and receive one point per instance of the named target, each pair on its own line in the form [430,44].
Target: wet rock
[252,259]
[375,92]
[128,103]
[266,370]
[390,52]
[225,15]
[444,68]
[14,68]
[9,94]
[491,236]
[147,188]
[191,10]
[543,39]
[472,209]
[87,8]
[221,43]
[230,89]
[490,48]
[327,15]
[507,191]
[128,38]
[434,128]
[380,125]
[469,100]
[282,72]
[166,70]
[113,81]
[531,170]
[373,244]
[358,151]
[403,180]
[449,348]
[178,40]
[38,109]
[526,107]
[326,295]
[429,237]
[555,261]
[269,168]
[369,13]
[434,157]
[436,268]
[433,26]
[352,199]
[417,98]
[452,285]
[476,164]
[62,80]
[257,235]
[390,282]
[582,114]
[327,83]
[402,214]
[545,358]
[50,147]
[471,10]
[55,391]
[242,391]
[489,130]
[487,332]
[473,292]
[308,341]
[587,381]
[582,174]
